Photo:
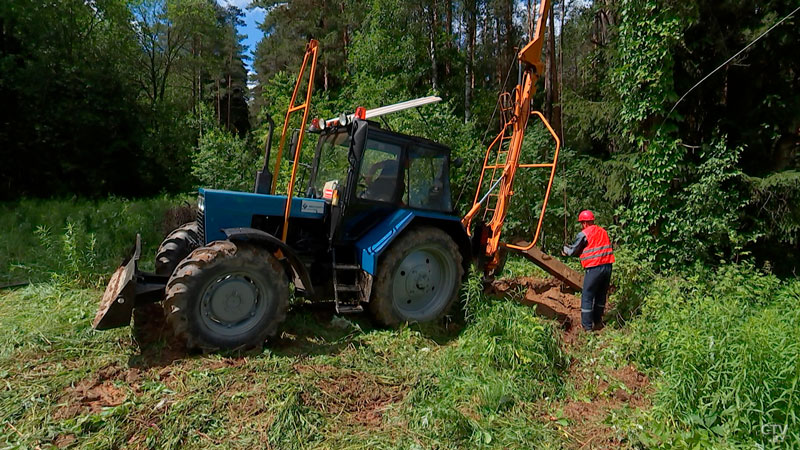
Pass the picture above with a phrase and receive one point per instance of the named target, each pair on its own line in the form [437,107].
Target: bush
[224,161]
[726,344]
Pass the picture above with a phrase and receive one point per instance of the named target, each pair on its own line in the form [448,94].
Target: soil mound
[550,298]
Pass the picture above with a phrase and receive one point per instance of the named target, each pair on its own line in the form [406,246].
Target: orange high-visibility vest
[598,251]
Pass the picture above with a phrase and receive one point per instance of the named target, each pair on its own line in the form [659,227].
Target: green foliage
[679,210]
[777,198]
[724,344]
[96,94]
[223,160]
[77,241]
[481,389]
[73,254]
[648,33]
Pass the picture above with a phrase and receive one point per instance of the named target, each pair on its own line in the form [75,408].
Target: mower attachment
[127,289]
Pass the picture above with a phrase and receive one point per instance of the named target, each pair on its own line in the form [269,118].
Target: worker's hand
[563,253]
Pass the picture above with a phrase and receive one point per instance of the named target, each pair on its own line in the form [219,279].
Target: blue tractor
[375,228]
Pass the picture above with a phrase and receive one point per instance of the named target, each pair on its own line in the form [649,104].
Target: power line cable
[726,63]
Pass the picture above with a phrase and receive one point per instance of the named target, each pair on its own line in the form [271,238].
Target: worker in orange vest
[594,249]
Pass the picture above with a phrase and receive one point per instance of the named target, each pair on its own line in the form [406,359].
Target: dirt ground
[360,396]
[547,295]
[599,389]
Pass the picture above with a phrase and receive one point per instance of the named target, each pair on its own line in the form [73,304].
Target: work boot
[598,326]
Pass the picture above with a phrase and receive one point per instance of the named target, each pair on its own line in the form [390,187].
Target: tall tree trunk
[449,24]
[550,83]
[500,52]
[194,85]
[510,39]
[433,14]
[469,72]
[230,61]
[200,79]
[559,99]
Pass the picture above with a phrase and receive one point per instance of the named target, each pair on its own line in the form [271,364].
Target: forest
[114,112]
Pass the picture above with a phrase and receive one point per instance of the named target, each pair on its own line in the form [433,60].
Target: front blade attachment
[127,289]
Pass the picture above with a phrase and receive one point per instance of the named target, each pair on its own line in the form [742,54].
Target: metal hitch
[127,289]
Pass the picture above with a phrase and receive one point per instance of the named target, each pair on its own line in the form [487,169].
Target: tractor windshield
[332,164]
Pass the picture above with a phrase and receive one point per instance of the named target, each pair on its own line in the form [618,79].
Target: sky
[252,17]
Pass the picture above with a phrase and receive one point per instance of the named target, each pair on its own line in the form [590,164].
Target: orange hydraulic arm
[506,148]
[309,60]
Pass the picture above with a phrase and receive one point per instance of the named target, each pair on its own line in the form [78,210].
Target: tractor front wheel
[418,278]
[227,296]
[148,320]
[176,246]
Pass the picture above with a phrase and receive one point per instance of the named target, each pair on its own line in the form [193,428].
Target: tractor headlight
[201,203]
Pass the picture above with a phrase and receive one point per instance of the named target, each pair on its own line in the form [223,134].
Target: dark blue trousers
[593,297]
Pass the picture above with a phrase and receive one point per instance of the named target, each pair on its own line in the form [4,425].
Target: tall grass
[725,347]
[78,240]
[481,392]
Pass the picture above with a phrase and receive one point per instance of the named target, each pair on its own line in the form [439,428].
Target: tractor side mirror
[293,144]
[458,162]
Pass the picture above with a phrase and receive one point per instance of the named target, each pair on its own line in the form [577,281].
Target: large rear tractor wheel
[148,320]
[418,278]
[227,296]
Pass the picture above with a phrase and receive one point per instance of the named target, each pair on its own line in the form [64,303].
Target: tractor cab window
[428,187]
[379,171]
[333,164]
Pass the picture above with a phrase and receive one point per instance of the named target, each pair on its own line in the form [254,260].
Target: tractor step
[344,306]
[347,288]
[348,308]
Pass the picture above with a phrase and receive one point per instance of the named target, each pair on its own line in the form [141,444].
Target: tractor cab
[365,173]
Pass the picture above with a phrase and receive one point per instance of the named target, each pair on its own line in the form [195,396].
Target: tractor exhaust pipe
[264,177]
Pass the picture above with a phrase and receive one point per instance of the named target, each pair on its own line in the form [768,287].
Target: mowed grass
[327,382]
[719,348]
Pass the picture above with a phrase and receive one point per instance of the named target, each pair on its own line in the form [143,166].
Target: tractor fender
[371,246]
[295,270]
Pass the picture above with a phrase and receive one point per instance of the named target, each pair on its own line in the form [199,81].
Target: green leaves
[725,343]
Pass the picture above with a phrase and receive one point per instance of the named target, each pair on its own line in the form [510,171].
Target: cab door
[376,184]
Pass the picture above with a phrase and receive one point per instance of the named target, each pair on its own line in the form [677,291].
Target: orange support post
[310,56]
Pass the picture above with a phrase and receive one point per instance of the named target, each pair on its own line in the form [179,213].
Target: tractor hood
[229,209]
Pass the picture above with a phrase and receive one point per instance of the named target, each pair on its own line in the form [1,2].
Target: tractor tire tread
[183,284]
[176,246]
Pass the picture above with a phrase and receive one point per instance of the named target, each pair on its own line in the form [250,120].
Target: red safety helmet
[585,216]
